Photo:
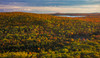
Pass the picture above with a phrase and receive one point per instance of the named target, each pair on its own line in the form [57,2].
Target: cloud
[49,2]
[17,3]
[51,9]
[93,0]
[48,6]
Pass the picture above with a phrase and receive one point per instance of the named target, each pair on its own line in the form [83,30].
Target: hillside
[42,35]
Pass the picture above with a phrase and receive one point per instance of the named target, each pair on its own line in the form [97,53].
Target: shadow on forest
[82,36]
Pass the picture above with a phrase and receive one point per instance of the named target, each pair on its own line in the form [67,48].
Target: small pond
[69,16]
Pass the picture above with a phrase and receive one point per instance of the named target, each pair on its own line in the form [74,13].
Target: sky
[50,6]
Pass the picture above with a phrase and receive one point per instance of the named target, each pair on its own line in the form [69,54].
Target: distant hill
[76,14]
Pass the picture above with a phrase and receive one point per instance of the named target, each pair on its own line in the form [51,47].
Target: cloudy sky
[50,6]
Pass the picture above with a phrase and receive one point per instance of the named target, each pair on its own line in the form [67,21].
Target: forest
[30,35]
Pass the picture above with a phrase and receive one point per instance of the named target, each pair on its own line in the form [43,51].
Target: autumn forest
[30,35]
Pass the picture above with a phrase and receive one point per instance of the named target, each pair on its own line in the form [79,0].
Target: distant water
[69,16]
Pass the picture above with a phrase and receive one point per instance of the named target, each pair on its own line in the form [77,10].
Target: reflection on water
[69,16]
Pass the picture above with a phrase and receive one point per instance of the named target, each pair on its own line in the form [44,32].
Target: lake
[69,16]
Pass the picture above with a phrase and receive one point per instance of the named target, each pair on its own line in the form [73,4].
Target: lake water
[69,16]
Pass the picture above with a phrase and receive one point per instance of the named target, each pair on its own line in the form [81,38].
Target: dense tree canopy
[41,35]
